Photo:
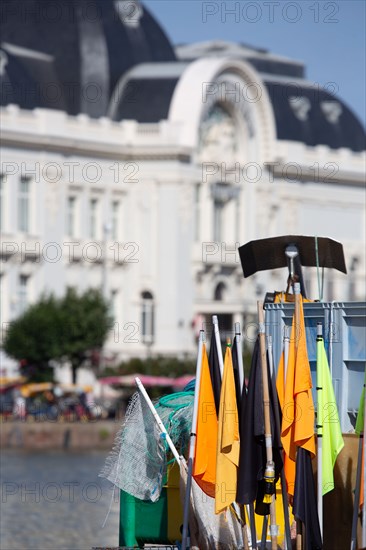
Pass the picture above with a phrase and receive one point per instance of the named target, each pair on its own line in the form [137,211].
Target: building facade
[138,168]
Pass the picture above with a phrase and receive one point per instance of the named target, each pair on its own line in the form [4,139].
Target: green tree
[86,322]
[66,329]
[34,339]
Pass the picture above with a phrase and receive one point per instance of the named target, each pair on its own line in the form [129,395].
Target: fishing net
[138,461]
[209,530]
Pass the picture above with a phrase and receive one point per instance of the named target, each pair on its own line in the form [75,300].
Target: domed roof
[70,55]
[304,112]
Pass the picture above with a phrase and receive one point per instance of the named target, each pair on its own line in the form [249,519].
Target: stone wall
[65,435]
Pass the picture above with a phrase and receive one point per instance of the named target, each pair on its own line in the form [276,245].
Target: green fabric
[328,419]
[361,412]
[127,524]
[143,521]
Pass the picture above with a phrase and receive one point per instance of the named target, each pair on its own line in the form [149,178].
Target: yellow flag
[204,466]
[227,440]
[327,419]
[296,400]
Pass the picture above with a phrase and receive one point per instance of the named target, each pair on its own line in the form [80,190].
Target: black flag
[305,505]
[253,457]
[241,393]
[213,361]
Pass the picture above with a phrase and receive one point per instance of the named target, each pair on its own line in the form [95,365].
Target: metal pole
[283,478]
[215,323]
[269,471]
[264,533]
[192,442]
[286,351]
[253,530]
[249,507]
[364,474]
[240,356]
[299,530]
[158,420]
[319,424]
[331,337]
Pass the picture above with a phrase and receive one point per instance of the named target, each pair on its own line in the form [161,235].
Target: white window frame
[71,216]
[147,318]
[24,205]
[115,229]
[23,293]
[218,215]
[93,218]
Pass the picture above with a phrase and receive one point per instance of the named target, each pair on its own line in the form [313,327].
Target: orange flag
[228,446]
[204,466]
[296,400]
[288,464]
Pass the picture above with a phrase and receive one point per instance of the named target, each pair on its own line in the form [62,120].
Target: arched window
[219,292]
[147,318]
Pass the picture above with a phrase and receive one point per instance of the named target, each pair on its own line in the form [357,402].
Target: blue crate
[344,331]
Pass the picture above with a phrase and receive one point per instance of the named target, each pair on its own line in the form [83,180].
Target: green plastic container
[143,521]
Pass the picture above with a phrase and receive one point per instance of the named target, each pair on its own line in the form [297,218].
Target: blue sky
[329,37]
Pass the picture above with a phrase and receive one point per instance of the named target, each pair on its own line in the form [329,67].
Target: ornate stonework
[218,137]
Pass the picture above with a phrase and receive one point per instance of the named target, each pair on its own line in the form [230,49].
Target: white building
[130,165]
